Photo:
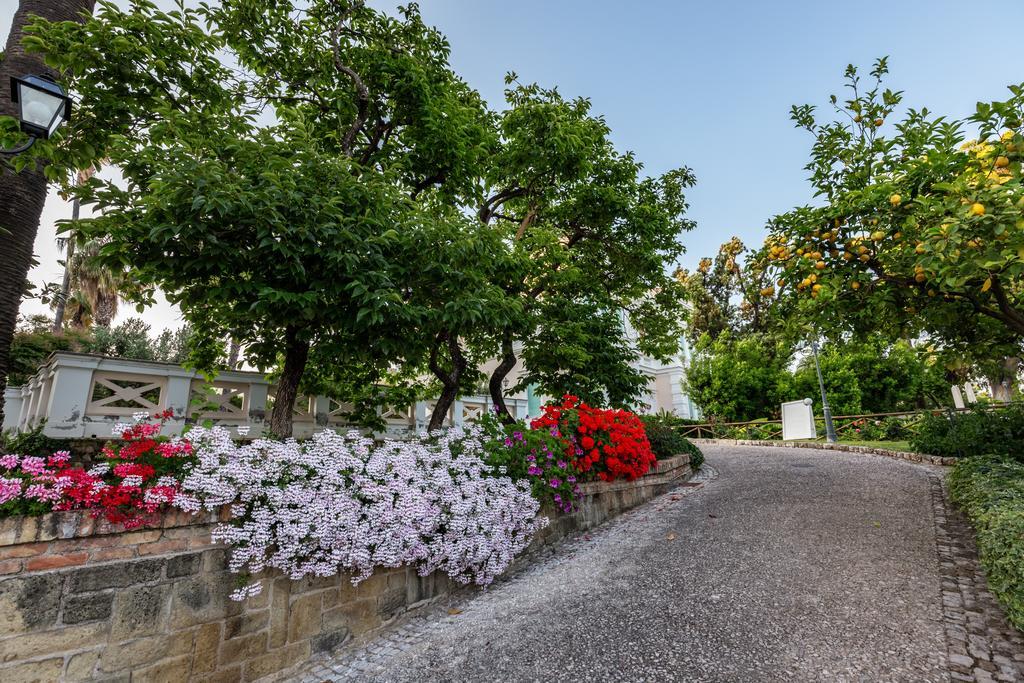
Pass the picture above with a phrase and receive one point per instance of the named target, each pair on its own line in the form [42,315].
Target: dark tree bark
[106,309]
[497,380]
[234,350]
[22,195]
[296,353]
[450,378]
[65,287]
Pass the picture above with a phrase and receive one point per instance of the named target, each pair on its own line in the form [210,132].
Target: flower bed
[83,598]
[138,477]
[461,502]
[611,444]
[336,504]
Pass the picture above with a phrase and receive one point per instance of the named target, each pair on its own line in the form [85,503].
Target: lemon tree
[917,226]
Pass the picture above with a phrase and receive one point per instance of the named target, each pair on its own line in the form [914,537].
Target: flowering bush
[609,443]
[535,455]
[138,477]
[338,503]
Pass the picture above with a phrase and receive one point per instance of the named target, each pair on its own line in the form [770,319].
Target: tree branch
[362,92]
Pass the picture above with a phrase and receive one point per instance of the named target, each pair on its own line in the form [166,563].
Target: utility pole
[830,429]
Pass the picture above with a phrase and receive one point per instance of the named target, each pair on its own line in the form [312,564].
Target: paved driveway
[790,564]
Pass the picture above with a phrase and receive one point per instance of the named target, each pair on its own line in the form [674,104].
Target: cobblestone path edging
[408,634]
[982,646]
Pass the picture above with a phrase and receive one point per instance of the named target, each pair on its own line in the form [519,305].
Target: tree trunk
[449,379]
[1008,373]
[106,309]
[296,353]
[234,349]
[23,193]
[496,383]
[65,287]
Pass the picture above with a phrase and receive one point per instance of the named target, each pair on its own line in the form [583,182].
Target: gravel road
[786,564]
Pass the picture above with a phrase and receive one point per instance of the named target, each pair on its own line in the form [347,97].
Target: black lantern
[42,105]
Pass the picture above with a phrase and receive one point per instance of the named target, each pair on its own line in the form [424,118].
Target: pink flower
[41,493]
[33,465]
[9,489]
[59,458]
[9,461]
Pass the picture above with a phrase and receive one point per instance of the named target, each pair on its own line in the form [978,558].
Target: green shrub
[990,490]
[32,442]
[864,430]
[997,432]
[696,455]
[666,442]
[663,431]
[894,429]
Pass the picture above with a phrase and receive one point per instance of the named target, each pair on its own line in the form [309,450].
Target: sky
[706,85]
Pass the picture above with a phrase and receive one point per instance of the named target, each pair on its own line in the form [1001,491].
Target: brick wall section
[80,600]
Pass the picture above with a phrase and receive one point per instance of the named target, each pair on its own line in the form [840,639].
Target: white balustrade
[77,395]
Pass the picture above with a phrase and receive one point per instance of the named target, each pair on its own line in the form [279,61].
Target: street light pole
[43,107]
[830,429]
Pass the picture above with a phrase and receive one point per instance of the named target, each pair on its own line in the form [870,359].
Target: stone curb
[844,448]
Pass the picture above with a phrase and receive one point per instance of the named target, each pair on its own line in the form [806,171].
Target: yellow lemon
[977,209]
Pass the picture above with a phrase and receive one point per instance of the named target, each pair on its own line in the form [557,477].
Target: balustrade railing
[78,395]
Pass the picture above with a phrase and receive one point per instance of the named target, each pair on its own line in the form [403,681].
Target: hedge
[990,490]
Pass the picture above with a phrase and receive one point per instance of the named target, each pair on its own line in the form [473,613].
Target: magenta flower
[33,465]
[555,483]
[41,492]
[9,461]
[59,458]
[9,489]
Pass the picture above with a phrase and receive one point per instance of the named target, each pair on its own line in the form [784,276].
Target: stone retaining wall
[847,448]
[80,600]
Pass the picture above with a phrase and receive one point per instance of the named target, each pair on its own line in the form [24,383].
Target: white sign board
[958,398]
[971,396]
[798,420]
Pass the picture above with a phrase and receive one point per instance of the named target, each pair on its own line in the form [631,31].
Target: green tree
[734,293]
[285,237]
[32,344]
[597,234]
[916,231]
[735,380]
[865,377]
[582,350]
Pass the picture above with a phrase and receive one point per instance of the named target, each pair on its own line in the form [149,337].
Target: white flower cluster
[339,503]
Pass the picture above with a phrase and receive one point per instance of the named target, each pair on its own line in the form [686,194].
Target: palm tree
[79,310]
[69,243]
[98,285]
[23,193]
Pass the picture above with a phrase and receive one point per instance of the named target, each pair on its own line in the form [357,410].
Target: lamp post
[830,430]
[42,107]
